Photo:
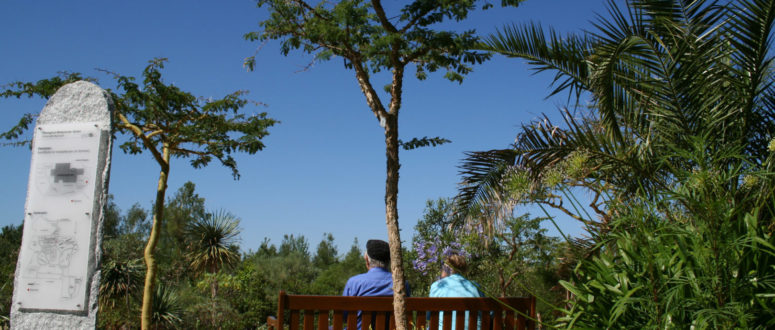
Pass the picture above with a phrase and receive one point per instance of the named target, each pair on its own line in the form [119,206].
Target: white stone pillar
[57,275]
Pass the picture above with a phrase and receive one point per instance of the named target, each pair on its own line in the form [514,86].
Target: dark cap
[378,250]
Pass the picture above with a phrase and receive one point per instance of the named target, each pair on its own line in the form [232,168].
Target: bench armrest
[272,323]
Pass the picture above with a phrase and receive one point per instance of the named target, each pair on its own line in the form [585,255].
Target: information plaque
[55,254]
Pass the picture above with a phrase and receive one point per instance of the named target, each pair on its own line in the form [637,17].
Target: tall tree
[370,40]
[326,253]
[294,245]
[167,122]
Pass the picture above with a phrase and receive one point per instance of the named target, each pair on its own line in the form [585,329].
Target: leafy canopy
[153,113]
[363,35]
[202,129]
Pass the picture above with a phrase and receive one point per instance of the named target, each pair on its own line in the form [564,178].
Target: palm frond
[564,54]
[482,174]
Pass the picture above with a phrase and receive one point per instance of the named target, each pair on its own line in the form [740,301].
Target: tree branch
[372,98]
[377,4]
[146,141]
[189,151]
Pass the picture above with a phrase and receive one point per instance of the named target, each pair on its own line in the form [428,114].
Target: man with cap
[377,281]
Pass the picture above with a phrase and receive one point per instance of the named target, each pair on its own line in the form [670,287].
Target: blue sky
[323,169]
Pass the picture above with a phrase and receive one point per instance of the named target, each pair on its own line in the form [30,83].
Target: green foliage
[203,311]
[332,279]
[153,114]
[423,142]
[518,259]
[673,148]
[252,301]
[10,243]
[43,88]
[112,219]
[180,212]
[121,280]
[167,310]
[294,246]
[369,41]
[120,288]
[157,115]
[708,267]
[211,242]
[211,247]
[657,75]
[326,253]
[255,283]
[122,268]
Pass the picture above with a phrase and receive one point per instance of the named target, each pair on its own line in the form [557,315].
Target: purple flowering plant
[431,254]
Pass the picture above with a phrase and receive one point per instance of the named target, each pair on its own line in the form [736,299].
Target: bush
[701,257]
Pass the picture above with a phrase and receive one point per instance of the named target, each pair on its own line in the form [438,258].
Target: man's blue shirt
[376,282]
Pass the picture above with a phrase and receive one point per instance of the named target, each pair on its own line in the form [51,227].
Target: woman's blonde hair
[456,264]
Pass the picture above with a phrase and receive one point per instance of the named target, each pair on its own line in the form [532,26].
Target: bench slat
[421,320]
[337,320]
[473,317]
[434,323]
[460,320]
[497,320]
[366,321]
[486,320]
[323,320]
[379,322]
[447,323]
[294,319]
[510,321]
[309,319]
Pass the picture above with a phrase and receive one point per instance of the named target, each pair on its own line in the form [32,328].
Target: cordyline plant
[169,123]
[370,40]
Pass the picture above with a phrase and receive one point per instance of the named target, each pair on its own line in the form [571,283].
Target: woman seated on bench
[453,284]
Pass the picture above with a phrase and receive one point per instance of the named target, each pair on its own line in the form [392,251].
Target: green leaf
[422,142]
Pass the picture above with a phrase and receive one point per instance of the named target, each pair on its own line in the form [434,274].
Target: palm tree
[212,246]
[655,79]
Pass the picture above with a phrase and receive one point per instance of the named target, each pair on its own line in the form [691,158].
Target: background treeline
[240,294]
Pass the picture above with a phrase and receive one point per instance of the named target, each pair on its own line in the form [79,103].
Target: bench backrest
[304,312]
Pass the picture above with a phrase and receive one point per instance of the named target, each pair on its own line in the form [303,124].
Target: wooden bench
[304,312]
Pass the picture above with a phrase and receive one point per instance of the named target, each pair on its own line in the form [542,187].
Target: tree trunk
[391,218]
[213,294]
[153,239]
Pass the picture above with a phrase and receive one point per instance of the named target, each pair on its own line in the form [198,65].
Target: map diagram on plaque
[50,265]
[55,253]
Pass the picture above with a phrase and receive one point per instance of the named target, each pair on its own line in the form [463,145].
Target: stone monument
[57,275]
